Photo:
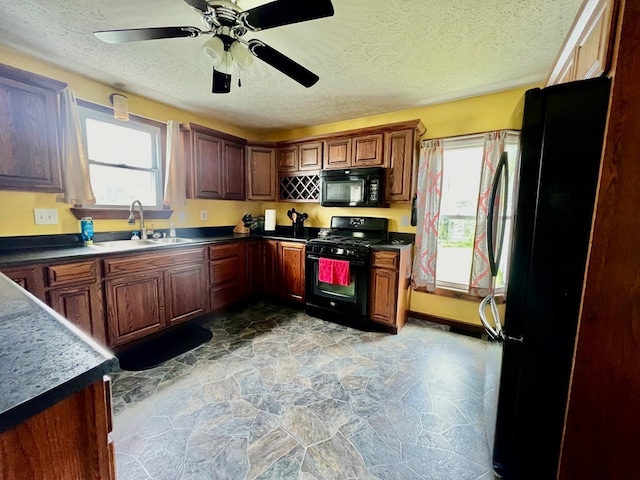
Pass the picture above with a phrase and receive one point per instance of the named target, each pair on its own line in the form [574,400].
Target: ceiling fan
[227,24]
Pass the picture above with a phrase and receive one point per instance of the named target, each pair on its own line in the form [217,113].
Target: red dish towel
[335,272]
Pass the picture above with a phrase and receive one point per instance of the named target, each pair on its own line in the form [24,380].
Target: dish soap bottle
[172,231]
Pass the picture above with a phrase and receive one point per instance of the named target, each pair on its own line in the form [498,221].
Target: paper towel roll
[269,220]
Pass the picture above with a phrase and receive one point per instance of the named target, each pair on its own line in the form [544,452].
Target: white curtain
[482,282]
[75,166]
[175,174]
[429,193]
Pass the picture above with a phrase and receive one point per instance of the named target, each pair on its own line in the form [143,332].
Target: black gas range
[349,239]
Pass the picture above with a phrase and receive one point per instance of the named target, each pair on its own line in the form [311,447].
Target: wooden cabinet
[291,270]
[67,441]
[185,292]
[135,306]
[255,266]
[299,157]
[82,306]
[145,293]
[401,154]
[215,164]
[367,151]
[29,130]
[588,48]
[227,274]
[262,176]
[389,288]
[337,153]
[271,280]
[28,277]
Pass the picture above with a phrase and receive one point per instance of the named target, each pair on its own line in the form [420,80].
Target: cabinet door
[82,306]
[383,296]
[337,153]
[310,156]
[367,151]
[185,293]
[206,172]
[399,153]
[262,176]
[592,48]
[288,159]
[271,277]
[29,123]
[233,171]
[291,270]
[135,306]
[255,267]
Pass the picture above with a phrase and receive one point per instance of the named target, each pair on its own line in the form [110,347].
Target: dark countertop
[43,357]
[393,247]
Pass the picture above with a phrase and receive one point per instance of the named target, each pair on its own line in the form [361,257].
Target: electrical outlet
[182,216]
[45,216]
[203,215]
[404,221]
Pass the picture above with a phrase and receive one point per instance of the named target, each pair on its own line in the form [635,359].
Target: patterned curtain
[481,282]
[75,166]
[429,193]
[175,173]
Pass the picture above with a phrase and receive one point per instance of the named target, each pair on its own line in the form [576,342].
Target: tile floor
[277,394]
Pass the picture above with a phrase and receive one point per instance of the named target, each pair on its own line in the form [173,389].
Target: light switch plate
[45,216]
[182,216]
[203,215]
[404,221]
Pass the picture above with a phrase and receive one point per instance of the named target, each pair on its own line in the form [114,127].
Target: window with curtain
[125,158]
[461,180]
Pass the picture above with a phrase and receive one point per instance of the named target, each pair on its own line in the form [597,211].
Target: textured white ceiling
[373,56]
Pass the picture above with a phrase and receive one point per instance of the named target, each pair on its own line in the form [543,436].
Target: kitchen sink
[172,240]
[124,244]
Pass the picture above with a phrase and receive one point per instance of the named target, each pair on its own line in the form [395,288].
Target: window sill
[450,293]
[119,213]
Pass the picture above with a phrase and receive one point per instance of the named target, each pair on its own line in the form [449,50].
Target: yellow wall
[16,212]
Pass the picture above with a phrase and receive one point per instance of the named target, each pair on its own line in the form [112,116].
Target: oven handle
[356,263]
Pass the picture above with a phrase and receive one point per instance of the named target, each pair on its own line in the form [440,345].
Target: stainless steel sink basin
[124,244]
[172,240]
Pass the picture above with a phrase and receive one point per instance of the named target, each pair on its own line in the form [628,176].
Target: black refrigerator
[560,152]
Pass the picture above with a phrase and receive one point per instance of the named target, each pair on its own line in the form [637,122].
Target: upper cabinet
[215,163]
[588,48]
[261,173]
[299,157]
[29,130]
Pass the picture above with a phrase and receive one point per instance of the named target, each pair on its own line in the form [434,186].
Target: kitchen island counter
[43,358]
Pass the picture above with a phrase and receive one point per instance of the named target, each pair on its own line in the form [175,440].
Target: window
[461,175]
[125,158]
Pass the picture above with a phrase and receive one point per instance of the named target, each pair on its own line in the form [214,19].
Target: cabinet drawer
[385,260]
[141,263]
[225,250]
[71,273]
[224,295]
[224,271]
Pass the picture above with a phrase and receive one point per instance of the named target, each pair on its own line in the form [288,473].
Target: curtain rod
[465,136]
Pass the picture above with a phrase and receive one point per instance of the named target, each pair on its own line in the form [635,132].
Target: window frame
[103,113]
[451,290]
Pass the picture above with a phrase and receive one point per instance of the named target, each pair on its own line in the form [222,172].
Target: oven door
[349,300]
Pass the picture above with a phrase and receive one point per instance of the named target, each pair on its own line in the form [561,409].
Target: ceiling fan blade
[283,63]
[200,5]
[221,82]
[138,34]
[286,12]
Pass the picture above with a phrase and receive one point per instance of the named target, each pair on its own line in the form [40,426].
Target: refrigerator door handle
[496,252]
[495,333]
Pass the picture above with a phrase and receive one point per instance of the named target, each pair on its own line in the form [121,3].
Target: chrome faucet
[132,218]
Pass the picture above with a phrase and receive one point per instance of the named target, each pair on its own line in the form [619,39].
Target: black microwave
[352,187]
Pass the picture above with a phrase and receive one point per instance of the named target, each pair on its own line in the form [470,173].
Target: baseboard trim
[477,329]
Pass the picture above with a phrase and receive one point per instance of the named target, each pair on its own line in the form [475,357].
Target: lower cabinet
[389,288]
[135,306]
[68,441]
[291,270]
[227,274]
[146,293]
[271,279]
[82,306]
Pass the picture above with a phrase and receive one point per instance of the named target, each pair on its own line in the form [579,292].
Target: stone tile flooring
[279,395]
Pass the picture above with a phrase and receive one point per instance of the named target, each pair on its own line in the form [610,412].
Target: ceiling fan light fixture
[214,50]
[242,56]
